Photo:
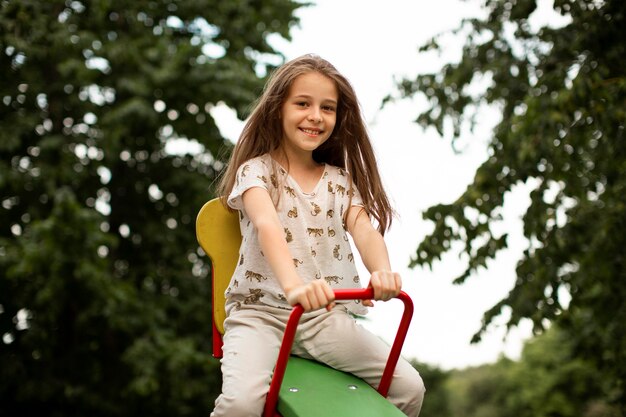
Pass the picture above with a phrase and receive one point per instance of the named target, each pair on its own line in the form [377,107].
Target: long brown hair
[348,147]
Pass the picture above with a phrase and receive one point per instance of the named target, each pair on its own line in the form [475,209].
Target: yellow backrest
[218,233]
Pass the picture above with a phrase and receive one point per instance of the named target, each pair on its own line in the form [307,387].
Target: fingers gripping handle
[290,333]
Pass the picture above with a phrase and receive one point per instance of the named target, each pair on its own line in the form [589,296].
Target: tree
[561,95]
[104,301]
[482,391]
[548,380]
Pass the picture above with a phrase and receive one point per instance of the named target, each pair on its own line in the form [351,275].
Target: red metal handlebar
[290,333]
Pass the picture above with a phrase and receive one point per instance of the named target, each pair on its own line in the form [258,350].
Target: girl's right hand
[386,285]
[312,296]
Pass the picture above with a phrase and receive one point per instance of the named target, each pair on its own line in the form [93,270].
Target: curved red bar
[290,333]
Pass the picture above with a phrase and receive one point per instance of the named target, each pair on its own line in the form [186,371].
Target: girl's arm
[262,213]
[373,250]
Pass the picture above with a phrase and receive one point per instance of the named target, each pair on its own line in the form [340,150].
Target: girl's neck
[302,169]
[296,162]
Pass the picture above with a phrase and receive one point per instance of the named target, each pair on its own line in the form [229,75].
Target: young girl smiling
[302,175]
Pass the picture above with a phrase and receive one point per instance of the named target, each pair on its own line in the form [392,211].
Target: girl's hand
[386,285]
[312,296]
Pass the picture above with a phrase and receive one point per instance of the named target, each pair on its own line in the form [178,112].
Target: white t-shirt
[313,227]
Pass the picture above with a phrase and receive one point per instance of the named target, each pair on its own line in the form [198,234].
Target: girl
[302,174]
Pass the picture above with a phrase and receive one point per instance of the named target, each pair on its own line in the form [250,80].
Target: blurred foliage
[547,381]
[560,90]
[104,296]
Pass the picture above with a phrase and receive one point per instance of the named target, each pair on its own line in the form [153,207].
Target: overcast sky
[373,43]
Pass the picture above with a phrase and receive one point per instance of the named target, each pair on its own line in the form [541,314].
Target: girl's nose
[315,116]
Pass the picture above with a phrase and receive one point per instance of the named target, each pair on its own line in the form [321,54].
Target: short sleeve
[357,200]
[252,173]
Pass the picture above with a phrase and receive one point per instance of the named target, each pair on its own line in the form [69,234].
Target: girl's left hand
[386,285]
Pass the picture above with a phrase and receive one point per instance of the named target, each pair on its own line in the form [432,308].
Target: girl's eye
[301,103]
[328,108]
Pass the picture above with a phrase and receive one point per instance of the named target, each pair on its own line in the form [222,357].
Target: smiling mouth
[313,132]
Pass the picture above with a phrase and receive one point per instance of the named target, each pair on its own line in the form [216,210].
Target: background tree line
[548,380]
[104,301]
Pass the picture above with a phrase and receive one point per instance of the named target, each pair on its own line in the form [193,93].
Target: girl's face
[309,113]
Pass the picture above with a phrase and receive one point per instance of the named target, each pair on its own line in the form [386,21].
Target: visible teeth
[310,132]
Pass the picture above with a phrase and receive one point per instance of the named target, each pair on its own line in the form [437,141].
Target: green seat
[311,389]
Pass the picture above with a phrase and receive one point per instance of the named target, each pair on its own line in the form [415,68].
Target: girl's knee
[238,406]
[407,391]
[417,389]
[418,386]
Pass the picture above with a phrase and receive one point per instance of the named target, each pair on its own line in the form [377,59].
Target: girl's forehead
[314,84]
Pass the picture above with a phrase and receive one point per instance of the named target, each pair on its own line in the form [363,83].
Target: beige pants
[252,340]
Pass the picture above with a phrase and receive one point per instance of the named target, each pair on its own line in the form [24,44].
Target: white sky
[371,42]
